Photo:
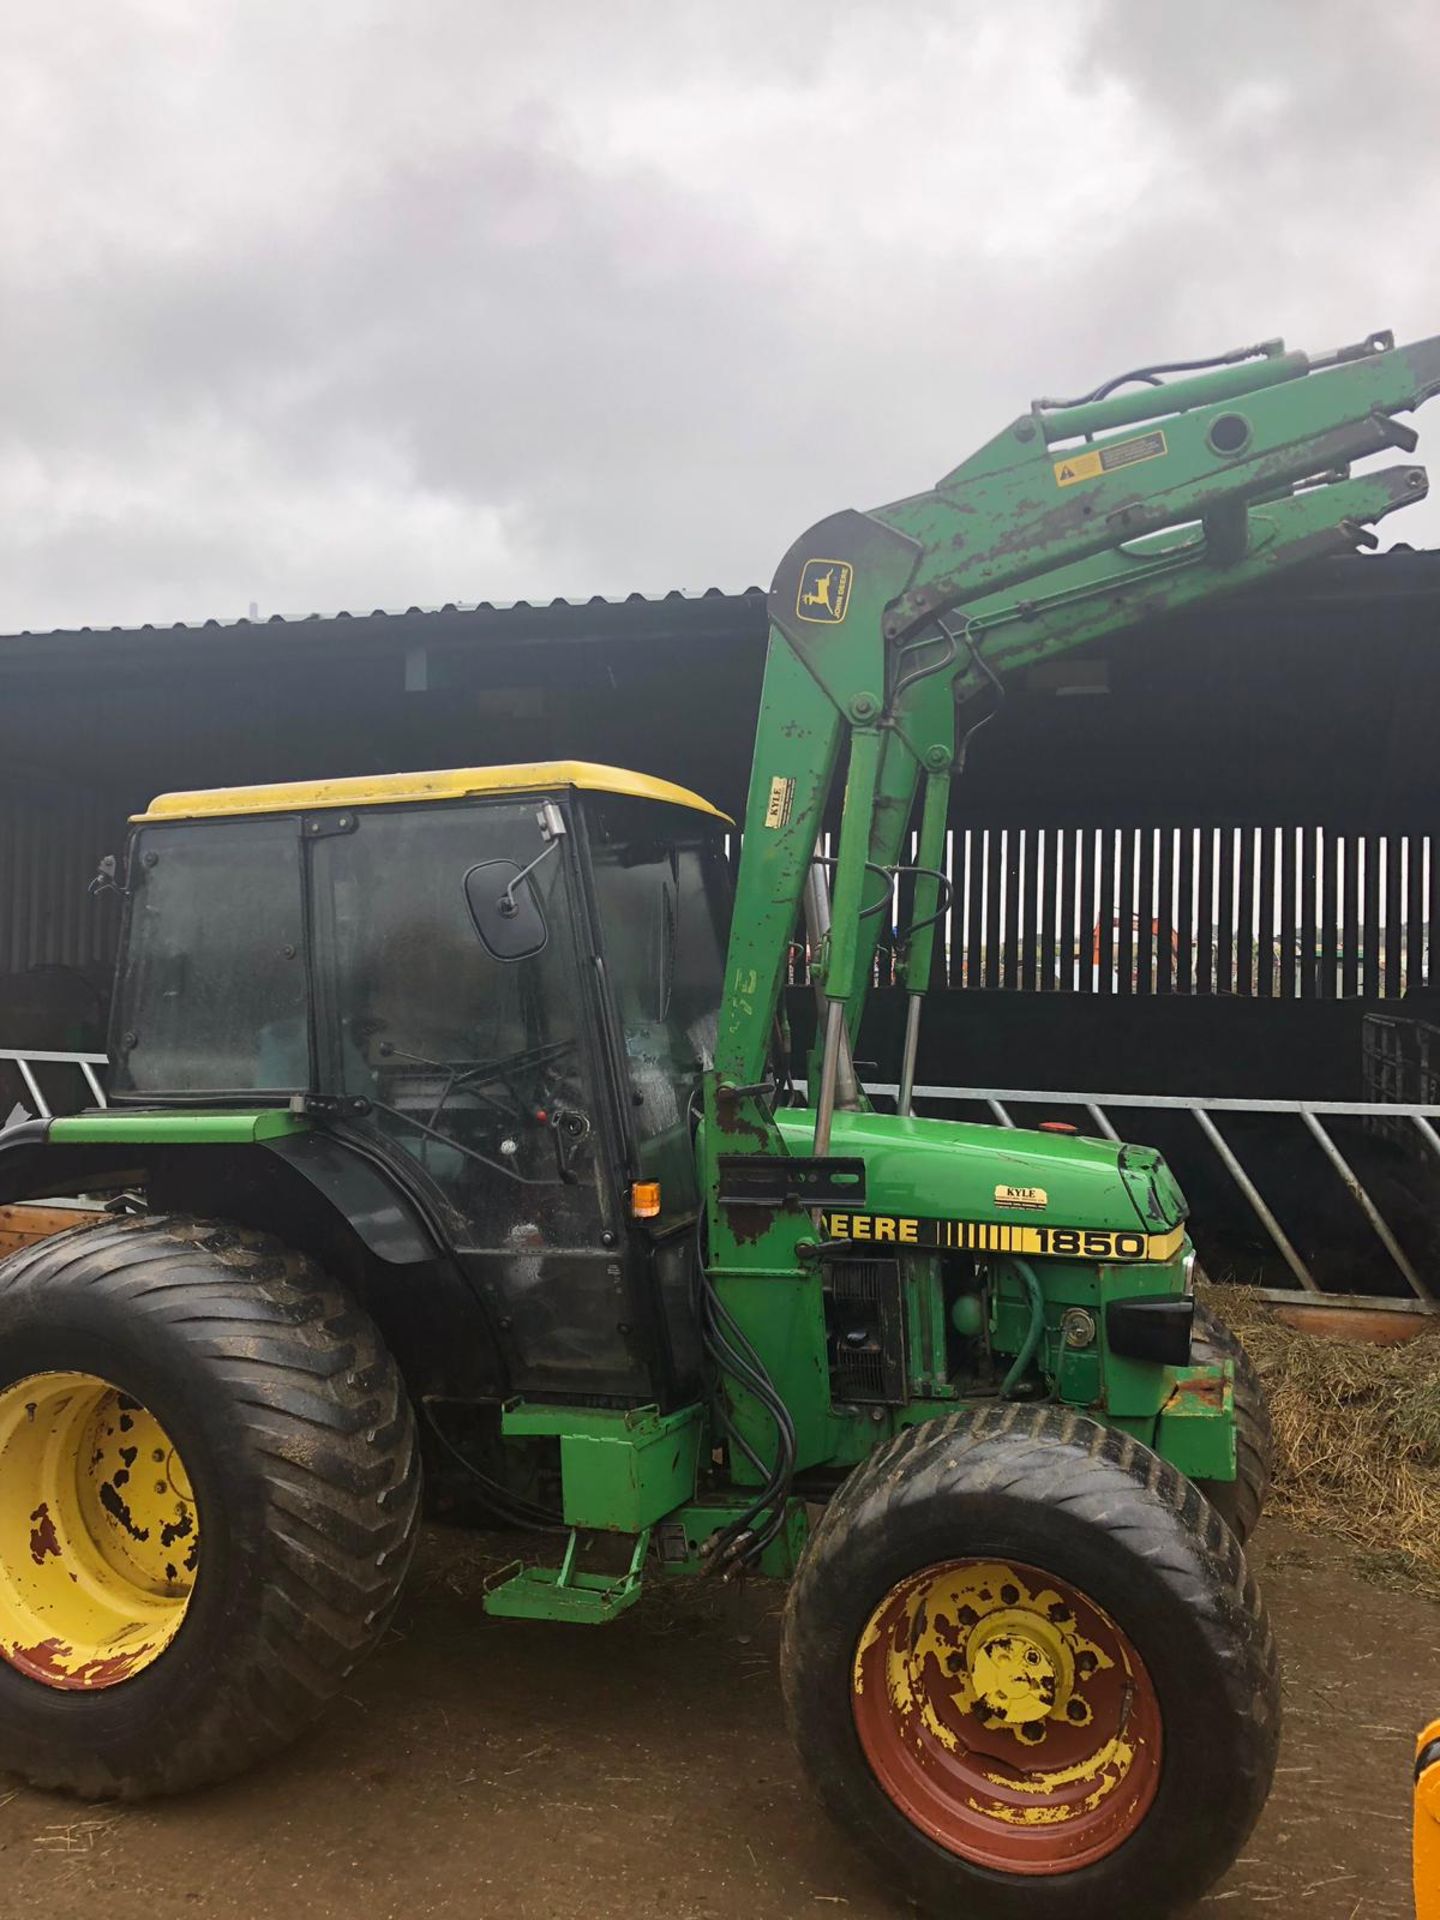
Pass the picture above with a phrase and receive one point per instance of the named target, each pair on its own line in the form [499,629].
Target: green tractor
[455,1115]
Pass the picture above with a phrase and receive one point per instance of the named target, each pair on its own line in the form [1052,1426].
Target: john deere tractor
[454,1115]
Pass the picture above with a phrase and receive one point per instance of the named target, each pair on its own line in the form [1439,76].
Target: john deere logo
[824,593]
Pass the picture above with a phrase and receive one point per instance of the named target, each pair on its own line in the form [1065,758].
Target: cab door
[457,989]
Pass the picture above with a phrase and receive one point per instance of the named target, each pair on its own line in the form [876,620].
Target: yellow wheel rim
[99,1533]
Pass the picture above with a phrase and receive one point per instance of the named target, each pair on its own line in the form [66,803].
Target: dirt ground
[485,1767]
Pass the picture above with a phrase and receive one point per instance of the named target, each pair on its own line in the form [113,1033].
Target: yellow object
[644,1199]
[992,1236]
[399,789]
[99,1533]
[1095,461]
[824,591]
[1427,1824]
[1021,1659]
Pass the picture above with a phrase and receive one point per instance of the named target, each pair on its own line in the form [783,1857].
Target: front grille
[865,1318]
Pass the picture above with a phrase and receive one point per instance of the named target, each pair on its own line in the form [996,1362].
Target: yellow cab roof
[395,789]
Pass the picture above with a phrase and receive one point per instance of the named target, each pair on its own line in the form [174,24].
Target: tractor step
[560,1593]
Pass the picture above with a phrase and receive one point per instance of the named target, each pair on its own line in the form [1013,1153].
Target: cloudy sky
[385,302]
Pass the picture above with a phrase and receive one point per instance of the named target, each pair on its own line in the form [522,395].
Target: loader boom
[1079,518]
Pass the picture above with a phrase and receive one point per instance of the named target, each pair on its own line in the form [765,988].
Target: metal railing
[1312,1114]
[26,1060]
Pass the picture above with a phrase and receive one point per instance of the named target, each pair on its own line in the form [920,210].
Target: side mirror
[107,879]
[505,909]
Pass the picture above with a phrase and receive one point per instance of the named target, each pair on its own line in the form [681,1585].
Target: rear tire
[1095,1576]
[293,1445]
[1240,1501]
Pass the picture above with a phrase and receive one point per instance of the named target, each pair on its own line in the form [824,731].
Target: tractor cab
[504,982]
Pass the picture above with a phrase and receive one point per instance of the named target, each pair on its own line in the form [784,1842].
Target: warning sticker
[781,802]
[1088,463]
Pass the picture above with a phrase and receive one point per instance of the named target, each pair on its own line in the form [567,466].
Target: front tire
[1023,1664]
[210,1497]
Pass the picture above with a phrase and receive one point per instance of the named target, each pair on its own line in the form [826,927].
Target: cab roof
[395,789]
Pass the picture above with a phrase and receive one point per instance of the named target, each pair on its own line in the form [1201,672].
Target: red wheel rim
[1007,1716]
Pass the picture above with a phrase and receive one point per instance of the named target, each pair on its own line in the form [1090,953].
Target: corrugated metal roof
[451,608]
[1399,570]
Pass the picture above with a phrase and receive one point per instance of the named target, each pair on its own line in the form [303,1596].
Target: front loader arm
[1071,607]
[1062,529]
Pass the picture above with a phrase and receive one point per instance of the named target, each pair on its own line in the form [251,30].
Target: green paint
[564,1593]
[926,1331]
[621,1470]
[851,891]
[967,1316]
[947,1169]
[1165,573]
[1195,1433]
[795,750]
[1019,523]
[919,955]
[175,1127]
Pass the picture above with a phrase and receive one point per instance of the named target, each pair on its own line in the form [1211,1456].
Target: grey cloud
[402,303]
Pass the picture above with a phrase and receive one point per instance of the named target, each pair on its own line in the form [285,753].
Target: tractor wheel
[209,1487]
[1239,1501]
[1025,1667]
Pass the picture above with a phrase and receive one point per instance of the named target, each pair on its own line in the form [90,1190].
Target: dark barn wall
[56,941]
[1222,1047]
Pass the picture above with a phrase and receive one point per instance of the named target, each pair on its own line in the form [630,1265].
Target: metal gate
[1208,1116]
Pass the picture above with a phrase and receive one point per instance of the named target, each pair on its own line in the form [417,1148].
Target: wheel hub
[1019,1667]
[99,1532]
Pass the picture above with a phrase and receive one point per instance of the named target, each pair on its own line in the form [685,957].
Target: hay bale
[1357,1438]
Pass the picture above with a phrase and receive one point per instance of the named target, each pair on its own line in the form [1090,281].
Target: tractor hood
[949,1169]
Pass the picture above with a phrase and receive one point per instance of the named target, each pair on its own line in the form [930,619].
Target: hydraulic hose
[733,1356]
[1034,1333]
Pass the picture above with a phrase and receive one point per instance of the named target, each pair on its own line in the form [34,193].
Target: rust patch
[51,1662]
[174,1530]
[1207,1391]
[1348,1321]
[727,1118]
[748,1223]
[43,1538]
[115,1505]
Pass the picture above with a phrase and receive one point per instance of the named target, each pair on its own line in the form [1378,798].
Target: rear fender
[375,1206]
[320,1195]
[35,1167]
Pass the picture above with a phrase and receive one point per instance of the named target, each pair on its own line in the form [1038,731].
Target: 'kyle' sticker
[823,595]
[779,806]
[1032,1199]
[1088,463]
